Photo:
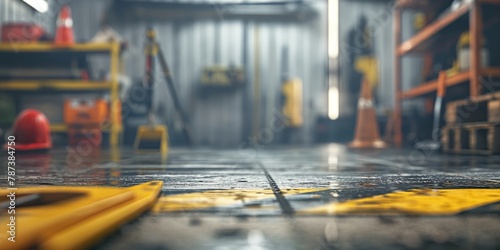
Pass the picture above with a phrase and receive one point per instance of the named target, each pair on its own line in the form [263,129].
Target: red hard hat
[32,131]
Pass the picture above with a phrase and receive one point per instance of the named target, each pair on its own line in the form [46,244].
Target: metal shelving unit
[426,39]
[111,49]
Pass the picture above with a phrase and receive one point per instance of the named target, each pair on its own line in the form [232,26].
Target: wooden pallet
[485,108]
[473,138]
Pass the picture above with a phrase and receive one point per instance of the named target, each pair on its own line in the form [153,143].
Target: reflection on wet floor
[217,185]
[315,167]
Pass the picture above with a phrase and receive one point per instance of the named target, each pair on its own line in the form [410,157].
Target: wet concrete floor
[319,197]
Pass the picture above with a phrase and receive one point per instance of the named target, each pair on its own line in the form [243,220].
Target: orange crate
[85,112]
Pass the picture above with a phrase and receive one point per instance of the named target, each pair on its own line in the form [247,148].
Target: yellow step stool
[151,139]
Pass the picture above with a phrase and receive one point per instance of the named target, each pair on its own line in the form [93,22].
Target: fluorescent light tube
[333,103]
[39,5]
[333,28]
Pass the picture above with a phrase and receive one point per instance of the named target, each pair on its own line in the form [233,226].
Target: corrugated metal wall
[14,11]
[219,119]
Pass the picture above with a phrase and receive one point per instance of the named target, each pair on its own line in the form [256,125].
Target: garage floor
[321,197]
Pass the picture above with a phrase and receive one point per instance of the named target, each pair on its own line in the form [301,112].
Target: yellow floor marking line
[62,217]
[220,198]
[415,201]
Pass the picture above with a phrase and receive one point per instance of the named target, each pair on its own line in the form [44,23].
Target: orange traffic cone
[367,134]
[64,32]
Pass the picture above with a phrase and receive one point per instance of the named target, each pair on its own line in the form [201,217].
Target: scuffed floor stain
[222,198]
[416,201]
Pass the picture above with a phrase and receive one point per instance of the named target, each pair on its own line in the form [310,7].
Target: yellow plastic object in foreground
[72,217]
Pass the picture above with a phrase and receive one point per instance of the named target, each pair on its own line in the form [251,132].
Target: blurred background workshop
[250,124]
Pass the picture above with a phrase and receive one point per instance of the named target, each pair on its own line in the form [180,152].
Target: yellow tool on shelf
[462,63]
[419,20]
[292,106]
[218,75]
[50,217]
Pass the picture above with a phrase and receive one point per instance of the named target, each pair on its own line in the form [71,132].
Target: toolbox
[22,32]
[85,112]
